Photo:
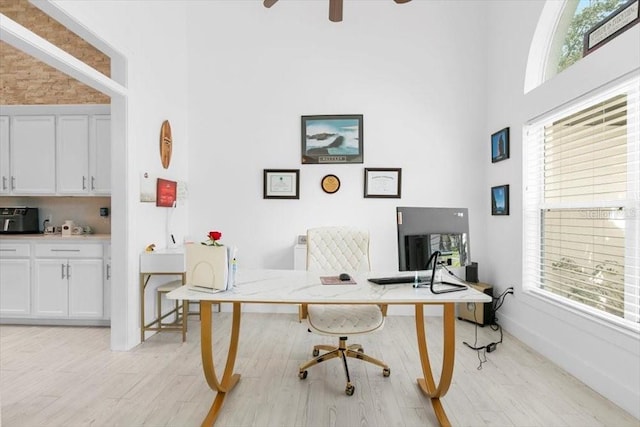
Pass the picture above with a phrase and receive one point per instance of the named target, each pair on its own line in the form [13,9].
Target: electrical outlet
[49,218]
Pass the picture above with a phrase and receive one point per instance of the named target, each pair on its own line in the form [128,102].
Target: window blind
[582,205]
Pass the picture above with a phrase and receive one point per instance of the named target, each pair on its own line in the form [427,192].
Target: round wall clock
[166,143]
[330,184]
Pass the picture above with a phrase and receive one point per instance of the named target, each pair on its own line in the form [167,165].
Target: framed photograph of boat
[332,139]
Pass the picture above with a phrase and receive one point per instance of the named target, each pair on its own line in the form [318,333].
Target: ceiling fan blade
[335,10]
[402,1]
[269,3]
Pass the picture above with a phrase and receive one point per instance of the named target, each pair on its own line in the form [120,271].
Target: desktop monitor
[423,231]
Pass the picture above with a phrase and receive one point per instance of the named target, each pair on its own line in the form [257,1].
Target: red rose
[215,235]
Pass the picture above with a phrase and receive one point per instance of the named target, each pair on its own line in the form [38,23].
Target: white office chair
[334,250]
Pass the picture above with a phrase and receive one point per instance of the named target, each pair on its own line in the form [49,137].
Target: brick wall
[26,81]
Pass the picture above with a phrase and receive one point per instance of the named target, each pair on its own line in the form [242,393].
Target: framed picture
[500,200]
[281,184]
[330,184]
[166,192]
[620,20]
[382,182]
[500,145]
[332,139]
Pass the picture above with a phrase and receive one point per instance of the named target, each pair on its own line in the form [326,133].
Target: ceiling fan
[335,8]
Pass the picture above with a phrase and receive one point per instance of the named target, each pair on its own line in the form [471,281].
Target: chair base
[342,351]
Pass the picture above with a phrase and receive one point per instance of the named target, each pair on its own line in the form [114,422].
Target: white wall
[601,356]
[415,71]
[154,43]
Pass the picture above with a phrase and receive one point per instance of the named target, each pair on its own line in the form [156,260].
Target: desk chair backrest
[339,249]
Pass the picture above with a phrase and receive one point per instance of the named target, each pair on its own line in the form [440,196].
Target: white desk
[301,287]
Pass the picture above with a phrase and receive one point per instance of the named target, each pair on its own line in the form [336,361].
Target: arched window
[558,41]
[586,14]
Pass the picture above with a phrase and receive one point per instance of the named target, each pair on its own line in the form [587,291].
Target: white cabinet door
[15,291]
[72,148]
[51,288]
[107,289]
[85,288]
[33,154]
[5,176]
[100,154]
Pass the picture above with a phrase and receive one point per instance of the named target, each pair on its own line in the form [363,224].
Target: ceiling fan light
[335,8]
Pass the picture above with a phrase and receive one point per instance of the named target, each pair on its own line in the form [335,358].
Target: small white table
[302,287]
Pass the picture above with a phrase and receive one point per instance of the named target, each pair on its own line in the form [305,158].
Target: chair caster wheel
[316,352]
[302,375]
[386,372]
[349,390]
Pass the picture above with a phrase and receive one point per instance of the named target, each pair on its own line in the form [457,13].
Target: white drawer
[15,250]
[163,262]
[69,250]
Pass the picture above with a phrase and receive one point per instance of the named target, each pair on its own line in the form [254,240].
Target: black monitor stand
[452,287]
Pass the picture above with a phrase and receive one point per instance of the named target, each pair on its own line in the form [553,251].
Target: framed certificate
[281,184]
[382,182]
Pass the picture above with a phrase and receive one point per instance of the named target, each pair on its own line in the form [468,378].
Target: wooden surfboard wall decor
[166,143]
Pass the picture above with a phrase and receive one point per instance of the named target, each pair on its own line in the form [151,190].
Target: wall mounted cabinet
[32,154]
[66,151]
[72,148]
[5,174]
[100,154]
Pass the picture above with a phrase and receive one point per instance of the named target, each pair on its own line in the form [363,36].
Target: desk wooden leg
[229,379]
[427,384]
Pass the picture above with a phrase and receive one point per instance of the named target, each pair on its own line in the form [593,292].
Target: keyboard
[398,279]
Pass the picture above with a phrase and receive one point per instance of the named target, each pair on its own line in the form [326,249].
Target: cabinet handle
[8,250]
[13,182]
[65,250]
[4,183]
[62,271]
[84,182]
[108,271]
[93,183]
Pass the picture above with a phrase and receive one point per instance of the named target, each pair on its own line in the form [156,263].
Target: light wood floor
[62,376]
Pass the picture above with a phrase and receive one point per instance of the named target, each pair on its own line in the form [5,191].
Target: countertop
[56,237]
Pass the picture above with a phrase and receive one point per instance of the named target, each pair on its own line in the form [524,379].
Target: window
[587,14]
[582,205]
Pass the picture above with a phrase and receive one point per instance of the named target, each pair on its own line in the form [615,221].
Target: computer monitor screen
[422,231]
